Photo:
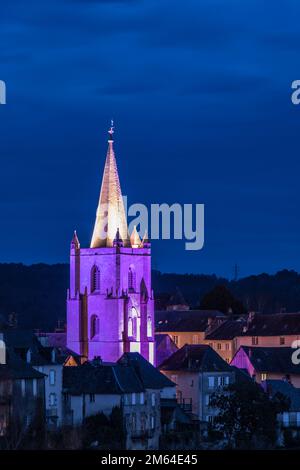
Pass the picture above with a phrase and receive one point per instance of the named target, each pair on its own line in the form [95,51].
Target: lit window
[130,327]
[207,400]
[286,419]
[254,340]
[227,380]
[176,340]
[211,382]
[227,346]
[133,399]
[52,377]
[142,398]
[219,347]
[195,339]
[153,399]
[263,376]
[282,340]
[149,327]
[95,279]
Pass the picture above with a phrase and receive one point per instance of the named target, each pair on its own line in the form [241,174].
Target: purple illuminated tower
[110,306]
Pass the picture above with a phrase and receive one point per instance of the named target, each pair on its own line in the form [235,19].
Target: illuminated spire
[110,215]
[135,239]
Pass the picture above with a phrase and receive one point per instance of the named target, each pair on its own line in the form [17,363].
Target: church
[110,305]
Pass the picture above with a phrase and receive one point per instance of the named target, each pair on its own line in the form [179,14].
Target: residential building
[110,306]
[132,384]
[222,338]
[22,404]
[268,363]
[187,326]
[290,418]
[198,372]
[277,330]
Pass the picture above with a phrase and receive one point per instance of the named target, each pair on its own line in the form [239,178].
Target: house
[277,330]
[291,418]
[22,404]
[268,363]
[187,326]
[222,338]
[164,347]
[48,361]
[198,372]
[132,384]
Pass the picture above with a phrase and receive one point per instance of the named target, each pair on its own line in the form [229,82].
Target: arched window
[133,324]
[149,327]
[130,327]
[95,279]
[94,326]
[131,279]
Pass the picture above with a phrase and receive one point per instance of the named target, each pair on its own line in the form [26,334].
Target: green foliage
[246,417]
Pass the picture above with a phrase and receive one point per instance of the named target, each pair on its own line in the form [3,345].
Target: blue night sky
[200,94]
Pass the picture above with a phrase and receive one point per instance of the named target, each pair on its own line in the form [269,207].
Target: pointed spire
[135,239]
[146,242]
[118,240]
[110,214]
[75,242]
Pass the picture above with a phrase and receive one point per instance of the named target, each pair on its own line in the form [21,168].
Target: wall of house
[181,338]
[53,410]
[266,341]
[225,348]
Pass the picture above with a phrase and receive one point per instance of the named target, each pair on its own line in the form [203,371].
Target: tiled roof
[272,360]
[196,357]
[184,320]
[100,379]
[229,329]
[15,368]
[149,376]
[274,325]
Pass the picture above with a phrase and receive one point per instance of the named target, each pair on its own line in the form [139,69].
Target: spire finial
[111,131]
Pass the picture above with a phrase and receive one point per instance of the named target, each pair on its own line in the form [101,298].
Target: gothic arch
[131,278]
[95,279]
[94,326]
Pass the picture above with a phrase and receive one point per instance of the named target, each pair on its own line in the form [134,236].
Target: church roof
[110,214]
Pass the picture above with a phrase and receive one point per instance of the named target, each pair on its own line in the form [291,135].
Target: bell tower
[110,305]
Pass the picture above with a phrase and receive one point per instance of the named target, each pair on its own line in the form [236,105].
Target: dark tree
[247,417]
[220,298]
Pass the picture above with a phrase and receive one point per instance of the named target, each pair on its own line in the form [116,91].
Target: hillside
[37,293]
